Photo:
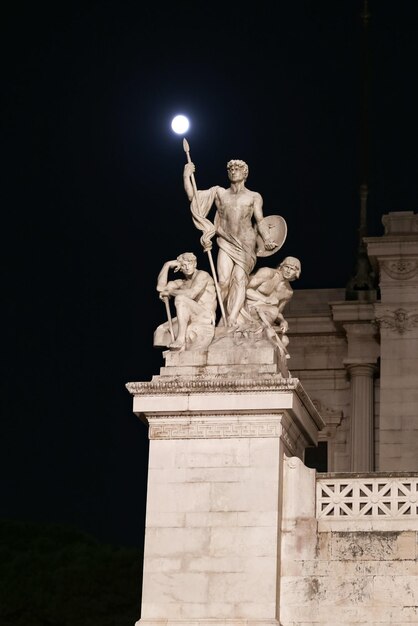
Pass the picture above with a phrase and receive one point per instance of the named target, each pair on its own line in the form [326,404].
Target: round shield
[277,232]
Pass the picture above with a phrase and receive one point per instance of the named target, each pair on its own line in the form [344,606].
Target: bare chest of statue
[235,210]
[276,286]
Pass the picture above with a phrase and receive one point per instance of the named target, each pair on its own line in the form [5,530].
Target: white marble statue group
[250,304]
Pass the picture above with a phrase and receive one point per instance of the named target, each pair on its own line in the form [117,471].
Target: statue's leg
[225,267]
[236,294]
[183,310]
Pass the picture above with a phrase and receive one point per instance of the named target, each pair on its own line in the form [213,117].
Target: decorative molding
[223,430]
[399,320]
[293,462]
[214,385]
[400,269]
[216,430]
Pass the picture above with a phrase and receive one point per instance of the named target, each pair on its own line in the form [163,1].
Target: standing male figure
[195,303]
[237,207]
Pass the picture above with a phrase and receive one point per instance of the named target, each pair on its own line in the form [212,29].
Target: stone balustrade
[367,502]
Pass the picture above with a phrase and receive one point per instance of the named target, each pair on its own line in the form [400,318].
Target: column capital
[357,367]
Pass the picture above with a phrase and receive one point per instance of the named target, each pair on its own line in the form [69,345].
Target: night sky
[93,202]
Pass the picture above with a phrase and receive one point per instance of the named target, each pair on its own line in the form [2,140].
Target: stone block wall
[353,572]
[212,519]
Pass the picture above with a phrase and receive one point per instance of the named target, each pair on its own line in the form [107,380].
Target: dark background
[93,202]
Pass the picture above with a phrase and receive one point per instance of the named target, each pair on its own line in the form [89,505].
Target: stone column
[399,388]
[357,320]
[212,539]
[362,416]
[395,254]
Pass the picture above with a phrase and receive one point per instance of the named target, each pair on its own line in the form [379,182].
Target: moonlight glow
[180,124]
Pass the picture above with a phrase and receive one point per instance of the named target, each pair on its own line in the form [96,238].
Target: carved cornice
[214,385]
[193,396]
[400,269]
[399,320]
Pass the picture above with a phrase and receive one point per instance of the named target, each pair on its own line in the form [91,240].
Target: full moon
[180,124]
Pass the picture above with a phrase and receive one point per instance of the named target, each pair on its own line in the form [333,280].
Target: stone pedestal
[219,429]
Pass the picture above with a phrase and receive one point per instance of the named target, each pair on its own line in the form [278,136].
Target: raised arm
[162,280]
[188,171]
[197,286]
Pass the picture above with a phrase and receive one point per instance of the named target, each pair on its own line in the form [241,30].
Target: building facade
[358,359]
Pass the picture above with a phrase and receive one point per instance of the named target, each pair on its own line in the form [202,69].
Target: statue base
[231,354]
